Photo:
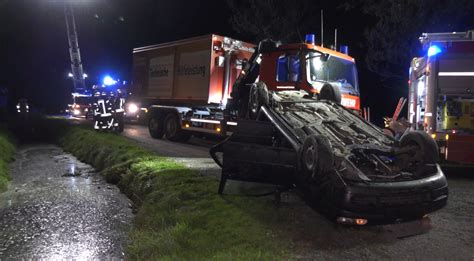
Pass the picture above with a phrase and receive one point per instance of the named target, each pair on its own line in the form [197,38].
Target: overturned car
[345,166]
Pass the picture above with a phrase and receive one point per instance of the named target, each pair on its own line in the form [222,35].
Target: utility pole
[77,72]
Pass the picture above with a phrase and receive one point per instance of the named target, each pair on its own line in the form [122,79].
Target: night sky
[34,58]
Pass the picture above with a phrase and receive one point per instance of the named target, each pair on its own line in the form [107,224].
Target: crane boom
[74,51]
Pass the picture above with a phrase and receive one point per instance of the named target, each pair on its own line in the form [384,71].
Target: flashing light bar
[456,74]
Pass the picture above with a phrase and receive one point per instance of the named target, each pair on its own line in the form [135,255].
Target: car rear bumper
[394,200]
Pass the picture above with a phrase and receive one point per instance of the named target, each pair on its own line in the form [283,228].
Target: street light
[70,75]
[85,75]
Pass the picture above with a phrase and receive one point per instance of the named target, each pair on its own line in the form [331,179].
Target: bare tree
[393,40]
[276,19]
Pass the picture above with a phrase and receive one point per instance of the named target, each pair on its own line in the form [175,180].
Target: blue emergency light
[310,39]
[434,50]
[344,49]
[108,81]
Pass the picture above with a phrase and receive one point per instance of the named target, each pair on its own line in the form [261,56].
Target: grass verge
[7,150]
[181,216]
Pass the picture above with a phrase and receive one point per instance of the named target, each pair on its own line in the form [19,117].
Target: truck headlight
[132,108]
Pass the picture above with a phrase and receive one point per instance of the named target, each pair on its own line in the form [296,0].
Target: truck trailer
[290,113]
[441,99]
[190,79]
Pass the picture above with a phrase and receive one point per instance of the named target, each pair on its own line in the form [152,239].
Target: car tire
[428,149]
[258,98]
[330,92]
[155,127]
[422,161]
[317,158]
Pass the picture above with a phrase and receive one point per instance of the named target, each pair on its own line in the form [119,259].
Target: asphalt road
[59,208]
[444,235]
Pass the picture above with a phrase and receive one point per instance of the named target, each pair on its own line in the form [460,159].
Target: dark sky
[34,58]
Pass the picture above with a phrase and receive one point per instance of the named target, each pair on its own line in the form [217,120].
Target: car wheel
[258,98]
[155,127]
[425,149]
[317,158]
[330,92]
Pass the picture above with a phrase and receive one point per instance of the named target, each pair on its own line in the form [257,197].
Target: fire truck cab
[306,66]
[441,100]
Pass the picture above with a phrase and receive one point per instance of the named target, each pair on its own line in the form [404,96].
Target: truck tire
[330,92]
[316,158]
[258,98]
[172,128]
[155,127]
[427,150]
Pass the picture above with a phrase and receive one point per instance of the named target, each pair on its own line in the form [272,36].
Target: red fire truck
[441,100]
[182,87]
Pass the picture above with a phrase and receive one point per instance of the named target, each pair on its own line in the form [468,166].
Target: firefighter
[102,111]
[108,112]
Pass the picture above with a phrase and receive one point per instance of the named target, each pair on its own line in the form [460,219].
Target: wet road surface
[59,208]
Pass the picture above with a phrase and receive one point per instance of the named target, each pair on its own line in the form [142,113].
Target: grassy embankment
[7,150]
[181,216]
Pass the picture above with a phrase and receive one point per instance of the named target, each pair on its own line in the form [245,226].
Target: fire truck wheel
[155,127]
[331,93]
[317,158]
[427,151]
[258,97]
[173,131]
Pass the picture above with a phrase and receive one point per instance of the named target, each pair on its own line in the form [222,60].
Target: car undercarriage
[344,166]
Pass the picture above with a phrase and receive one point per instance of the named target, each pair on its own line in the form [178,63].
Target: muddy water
[59,208]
